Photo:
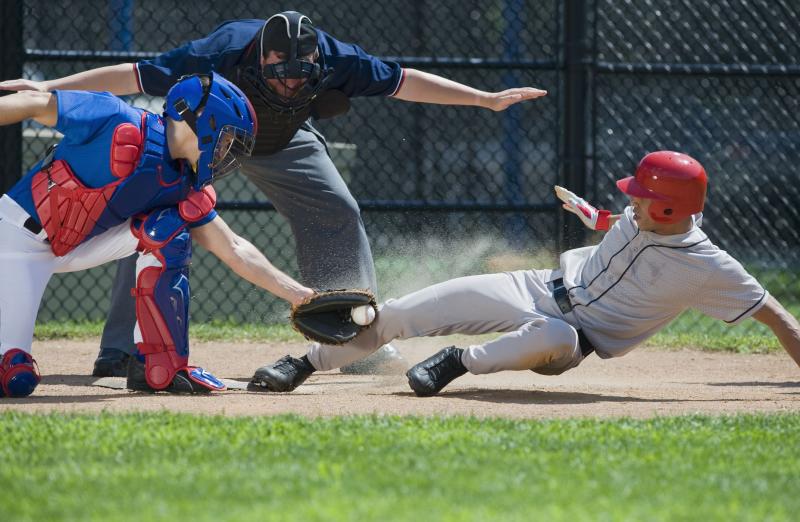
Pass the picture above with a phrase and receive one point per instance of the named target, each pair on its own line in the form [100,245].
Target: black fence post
[576,101]
[11,59]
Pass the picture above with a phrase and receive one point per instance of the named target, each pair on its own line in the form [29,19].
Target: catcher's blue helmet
[221,116]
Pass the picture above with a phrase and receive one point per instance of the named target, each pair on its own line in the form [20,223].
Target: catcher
[653,263]
[124,180]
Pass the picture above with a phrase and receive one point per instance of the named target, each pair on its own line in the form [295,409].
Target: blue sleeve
[357,73]
[219,51]
[204,220]
[83,115]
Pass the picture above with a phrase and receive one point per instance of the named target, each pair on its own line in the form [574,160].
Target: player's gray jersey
[633,283]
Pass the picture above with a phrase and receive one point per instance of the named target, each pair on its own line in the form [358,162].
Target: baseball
[363,315]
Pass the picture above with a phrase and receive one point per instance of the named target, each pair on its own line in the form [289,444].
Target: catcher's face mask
[233,145]
[292,78]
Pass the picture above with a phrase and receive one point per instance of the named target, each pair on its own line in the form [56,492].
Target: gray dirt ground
[645,383]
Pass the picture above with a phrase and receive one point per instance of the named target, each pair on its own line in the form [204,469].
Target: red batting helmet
[675,182]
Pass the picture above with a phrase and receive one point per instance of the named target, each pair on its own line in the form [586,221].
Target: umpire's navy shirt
[356,73]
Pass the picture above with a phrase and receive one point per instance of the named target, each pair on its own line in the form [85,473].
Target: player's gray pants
[520,303]
[305,187]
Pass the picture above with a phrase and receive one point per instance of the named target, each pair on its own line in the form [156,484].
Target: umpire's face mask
[288,53]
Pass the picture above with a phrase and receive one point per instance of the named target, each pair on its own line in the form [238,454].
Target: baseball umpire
[653,263]
[291,71]
[124,180]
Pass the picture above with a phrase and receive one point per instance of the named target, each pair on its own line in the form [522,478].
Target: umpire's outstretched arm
[117,79]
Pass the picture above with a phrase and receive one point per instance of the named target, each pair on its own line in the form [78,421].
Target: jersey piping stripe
[746,311]
[610,259]
[399,82]
[138,78]
[631,264]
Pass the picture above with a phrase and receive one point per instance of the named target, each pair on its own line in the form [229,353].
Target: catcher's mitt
[325,316]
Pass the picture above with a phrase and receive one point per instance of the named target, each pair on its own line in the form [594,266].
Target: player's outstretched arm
[39,106]
[247,261]
[593,218]
[116,79]
[783,324]
[424,87]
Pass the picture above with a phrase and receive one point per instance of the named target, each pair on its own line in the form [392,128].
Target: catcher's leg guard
[162,312]
[19,374]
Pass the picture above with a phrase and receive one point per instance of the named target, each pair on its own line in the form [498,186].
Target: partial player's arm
[39,106]
[116,79]
[247,261]
[783,324]
[424,87]
[592,217]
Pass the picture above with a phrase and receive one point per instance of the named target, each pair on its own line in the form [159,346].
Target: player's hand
[22,84]
[300,295]
[592,217]
[500,101]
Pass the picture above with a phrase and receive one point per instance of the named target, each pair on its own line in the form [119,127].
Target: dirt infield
[644,383]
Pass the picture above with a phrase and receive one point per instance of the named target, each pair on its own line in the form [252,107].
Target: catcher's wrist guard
[325,316]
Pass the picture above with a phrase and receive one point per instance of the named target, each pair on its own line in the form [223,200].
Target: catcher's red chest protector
[68,209]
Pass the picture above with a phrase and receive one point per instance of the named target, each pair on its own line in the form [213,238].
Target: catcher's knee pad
[162,310]
[19,374]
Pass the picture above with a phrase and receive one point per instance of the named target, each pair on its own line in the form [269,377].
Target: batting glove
[592,217]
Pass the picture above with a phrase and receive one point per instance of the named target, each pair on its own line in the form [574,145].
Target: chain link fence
[449,191]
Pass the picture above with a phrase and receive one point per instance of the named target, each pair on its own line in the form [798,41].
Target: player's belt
[13,213]
[561,295]
[32,225]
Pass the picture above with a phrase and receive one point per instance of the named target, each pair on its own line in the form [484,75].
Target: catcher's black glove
[325,316]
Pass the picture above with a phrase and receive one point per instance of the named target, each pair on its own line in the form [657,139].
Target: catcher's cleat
[386,361]
[434,373]
[181,383]
[111,362]
[284,375]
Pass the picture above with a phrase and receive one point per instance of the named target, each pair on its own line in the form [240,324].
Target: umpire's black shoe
[111,362]
[434,373]
[284,375]
[181,383]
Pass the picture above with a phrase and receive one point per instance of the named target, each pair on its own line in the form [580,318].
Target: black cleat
[284,375]
[181,383]
[434,373]
[111,362]
[386,361]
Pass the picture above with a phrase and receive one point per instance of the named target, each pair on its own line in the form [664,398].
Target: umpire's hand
[500,101]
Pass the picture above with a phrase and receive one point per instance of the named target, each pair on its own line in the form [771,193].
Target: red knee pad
[19,374]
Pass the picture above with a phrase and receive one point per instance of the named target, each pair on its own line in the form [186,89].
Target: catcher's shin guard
[19,374]
[162,311]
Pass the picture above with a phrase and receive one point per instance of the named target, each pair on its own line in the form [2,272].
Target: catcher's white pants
[27,263]
[520,303]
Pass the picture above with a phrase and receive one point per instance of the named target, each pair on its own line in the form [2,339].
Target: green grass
[180,467]
[213,331]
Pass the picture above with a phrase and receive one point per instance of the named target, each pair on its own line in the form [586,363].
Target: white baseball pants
[27,263]
[519,303]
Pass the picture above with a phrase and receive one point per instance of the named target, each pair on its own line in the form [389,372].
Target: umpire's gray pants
[520,303]
[305,187]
